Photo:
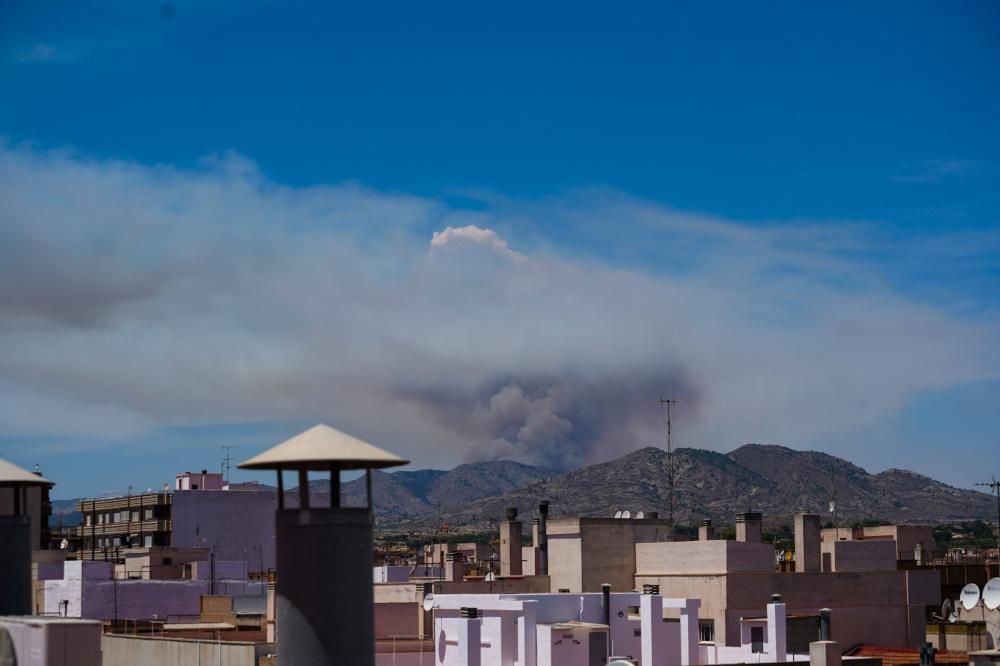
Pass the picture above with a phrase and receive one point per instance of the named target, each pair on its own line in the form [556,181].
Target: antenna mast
[667,403]
[226,462]
[994,486]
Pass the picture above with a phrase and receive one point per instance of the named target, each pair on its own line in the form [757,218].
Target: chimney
[807,543]
[454,567]
[705,530]
[542,541]
[510,544]
[749,527]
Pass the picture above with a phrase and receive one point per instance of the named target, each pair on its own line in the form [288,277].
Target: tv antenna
[227,461]
[994,486]
[665,405]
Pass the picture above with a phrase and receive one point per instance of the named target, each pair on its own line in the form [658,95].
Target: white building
[576,629]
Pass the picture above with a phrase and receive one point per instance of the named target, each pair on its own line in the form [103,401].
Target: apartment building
[133,521]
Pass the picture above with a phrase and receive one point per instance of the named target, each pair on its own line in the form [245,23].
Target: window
[706,631]
[86,520]
[147,540]
[756,639]
[135,514]
[118,517]
[147,514]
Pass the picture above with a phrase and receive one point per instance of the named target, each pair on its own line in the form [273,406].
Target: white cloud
[472,236]
[135,296]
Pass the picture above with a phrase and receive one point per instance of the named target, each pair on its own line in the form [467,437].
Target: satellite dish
[626,514]
[991,593]
[640,515]
[490,577]
[429,602]
[618,514]
[8,655]
[64,544]
[970,596]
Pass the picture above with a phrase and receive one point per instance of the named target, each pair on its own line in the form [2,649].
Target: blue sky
[754,203]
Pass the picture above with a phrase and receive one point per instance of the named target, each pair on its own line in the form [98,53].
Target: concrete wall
[843,556]
[237,524]
[565,562]
[132,650]
[584,553]
[702,557]
[906,536]
[397,619]
[880,608]
[33,510]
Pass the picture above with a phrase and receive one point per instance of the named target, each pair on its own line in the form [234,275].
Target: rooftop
[321,447]
[12,475]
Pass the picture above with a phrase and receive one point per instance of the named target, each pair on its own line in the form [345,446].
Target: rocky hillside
[772,479]
[407,495]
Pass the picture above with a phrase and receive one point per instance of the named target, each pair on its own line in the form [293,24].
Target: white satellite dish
[641,514]
[429,602]
[626,514]
[991,593]
[970,596]
[618,514]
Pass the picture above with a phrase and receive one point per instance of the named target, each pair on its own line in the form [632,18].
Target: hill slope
[775,480]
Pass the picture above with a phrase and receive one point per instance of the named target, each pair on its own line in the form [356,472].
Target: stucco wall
[875,555]
[711,557]
[396,619]
[238,524]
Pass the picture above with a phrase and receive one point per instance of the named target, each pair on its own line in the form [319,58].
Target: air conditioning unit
[26,640]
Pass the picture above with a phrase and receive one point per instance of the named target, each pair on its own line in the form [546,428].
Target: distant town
[500,563]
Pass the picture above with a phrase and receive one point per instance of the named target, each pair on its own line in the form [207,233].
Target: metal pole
[368,486]
[281,490]
[334,486]
[303,489]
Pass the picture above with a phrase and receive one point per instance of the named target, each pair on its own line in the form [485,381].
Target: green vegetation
[966,534]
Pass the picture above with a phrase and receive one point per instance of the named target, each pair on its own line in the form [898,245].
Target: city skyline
[464,233]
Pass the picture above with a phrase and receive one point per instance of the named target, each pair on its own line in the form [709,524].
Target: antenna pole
[667,403]
[994,486]
[226,462]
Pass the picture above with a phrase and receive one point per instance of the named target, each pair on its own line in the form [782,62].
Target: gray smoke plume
[559,422]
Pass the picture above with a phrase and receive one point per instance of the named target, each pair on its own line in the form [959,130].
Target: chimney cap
[707,522]
[749,517]
[321,447]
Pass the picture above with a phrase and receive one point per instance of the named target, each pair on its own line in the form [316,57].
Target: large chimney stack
[510,544]
[324,618]
[807,543]
[542,544]
[705,530]
[749,527]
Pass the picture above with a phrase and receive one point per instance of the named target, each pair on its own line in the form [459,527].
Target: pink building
[198,481]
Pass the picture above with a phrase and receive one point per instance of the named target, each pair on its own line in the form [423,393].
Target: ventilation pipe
[510,545]
[706,532]
[749,527]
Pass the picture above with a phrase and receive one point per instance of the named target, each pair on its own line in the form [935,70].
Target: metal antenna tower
[666,404]
[994,486]
[226,462]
